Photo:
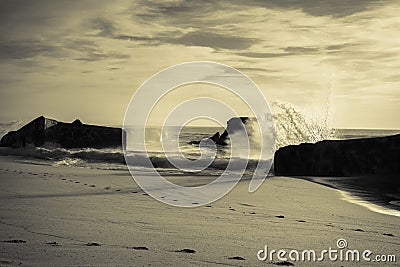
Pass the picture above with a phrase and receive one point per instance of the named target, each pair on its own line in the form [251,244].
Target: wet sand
[56,215]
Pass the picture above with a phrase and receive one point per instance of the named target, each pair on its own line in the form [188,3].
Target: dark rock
[68,135]
[216,138]
[364,156]
[234,124]
[77,122]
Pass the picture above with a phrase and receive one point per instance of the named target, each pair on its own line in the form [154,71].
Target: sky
[85,59]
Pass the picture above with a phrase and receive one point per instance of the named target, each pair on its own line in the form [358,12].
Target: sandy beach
[294,101]
[58,215]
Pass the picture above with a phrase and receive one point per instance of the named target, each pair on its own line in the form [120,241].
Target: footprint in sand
[283,263]
[302,221]
[108,187]
[118,190]
[186,250]
[16,241]
[93,244]
[54,244]
[138,248]
[5,262]
[387,234]
[92,185]
[247,205]
[238,258]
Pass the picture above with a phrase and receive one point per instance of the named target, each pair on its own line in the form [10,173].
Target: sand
[58,215]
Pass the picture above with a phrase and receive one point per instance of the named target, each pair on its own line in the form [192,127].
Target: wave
[292,127]
[61,154]
[114,159]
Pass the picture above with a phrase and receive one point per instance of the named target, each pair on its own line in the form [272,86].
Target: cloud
[335,8]
[302,50]
[298,51]
[89,50]
[174,10]
[96,56]
[105,27]
[213,40]
[263,55]
[249,69]
[27,49]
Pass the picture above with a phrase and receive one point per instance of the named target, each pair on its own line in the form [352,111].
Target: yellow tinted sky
[69,59]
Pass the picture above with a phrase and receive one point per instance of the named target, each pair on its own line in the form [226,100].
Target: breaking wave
[292,127]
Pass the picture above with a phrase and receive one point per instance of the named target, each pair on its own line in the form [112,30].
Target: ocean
[113,158]
[291,128]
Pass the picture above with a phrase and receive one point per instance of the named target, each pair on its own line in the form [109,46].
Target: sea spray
[294,127]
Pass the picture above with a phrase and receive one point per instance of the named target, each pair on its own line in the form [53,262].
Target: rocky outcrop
[234,124]
[366,156]
[68,135]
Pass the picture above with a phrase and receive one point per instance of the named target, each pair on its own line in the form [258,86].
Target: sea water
[292,127]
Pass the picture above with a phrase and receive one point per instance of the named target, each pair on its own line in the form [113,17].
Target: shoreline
[58,215]
[368,196]
[347,186]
